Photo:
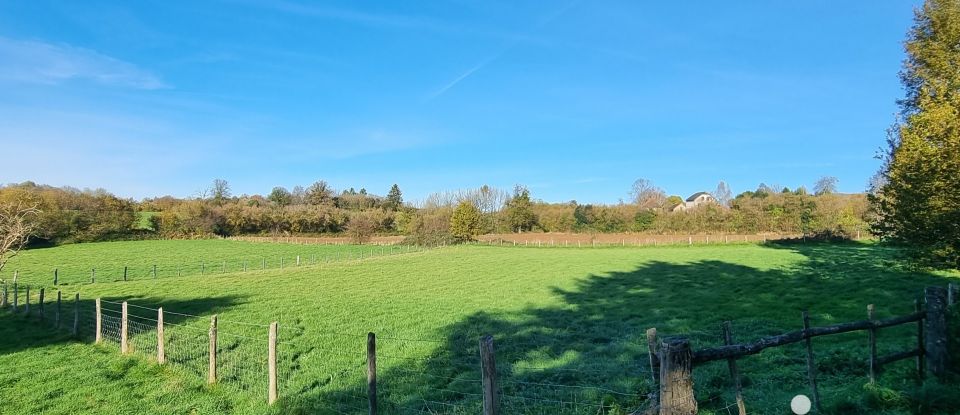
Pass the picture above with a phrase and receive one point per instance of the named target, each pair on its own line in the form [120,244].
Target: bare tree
[219,191]
[16,226]
[826,185]
[723,193]
[646,195]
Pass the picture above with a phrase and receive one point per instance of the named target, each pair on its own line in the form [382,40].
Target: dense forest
[72,215]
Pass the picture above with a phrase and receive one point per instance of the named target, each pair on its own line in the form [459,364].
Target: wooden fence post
[161,354]
[154,271]
[16,293]
[372,372]
[56,315]
[212,372]
[654,359]
[93,275]
[40,305]
[734,373]
[3,301]
[76,314]
[952,292]
[124,347]
[811,363]
[676,377]
[56,276]
[98,336]
[920,356]
[872,337]
[272,364]
[935,342]
[488,368]
[124,272]
[26,305]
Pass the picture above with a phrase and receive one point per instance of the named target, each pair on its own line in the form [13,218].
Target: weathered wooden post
[98,336]
[920,339]
[41,304]
[272,364]
[56,316]
[161,354]
[16,292]
[212,372]
[56,276]
[488,369]
[872,338]
[811,363]
[26,305]
[654,359]
[3,301]
[935,342]
[734,373]
[76,314]
[93,275]
[124,272]
[676,377]
[372,372]
[298,260]
[124,346]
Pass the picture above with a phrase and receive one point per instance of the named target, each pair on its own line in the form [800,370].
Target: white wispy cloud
[36,62]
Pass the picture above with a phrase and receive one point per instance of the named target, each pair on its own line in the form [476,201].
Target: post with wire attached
[488,369]
[57,312]
[76,314]
[676,377]
[872,337]
[161,354]
[41,305]
[654,360]
[935,341]
[272,364]
[372,372]
[811,363]
[212,372]
[734,373]
[98,336]
[124,345]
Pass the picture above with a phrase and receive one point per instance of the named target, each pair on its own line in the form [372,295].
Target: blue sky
[574,99]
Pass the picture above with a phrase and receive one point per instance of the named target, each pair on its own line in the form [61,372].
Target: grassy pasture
[569,325]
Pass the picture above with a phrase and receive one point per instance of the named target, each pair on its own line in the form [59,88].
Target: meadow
[569,326]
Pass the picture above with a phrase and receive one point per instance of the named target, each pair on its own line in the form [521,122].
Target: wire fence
[75,275]
[326,371]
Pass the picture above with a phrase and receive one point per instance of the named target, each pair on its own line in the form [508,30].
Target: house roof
[696,195]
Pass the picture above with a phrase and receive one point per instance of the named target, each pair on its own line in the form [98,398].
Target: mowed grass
[568,325]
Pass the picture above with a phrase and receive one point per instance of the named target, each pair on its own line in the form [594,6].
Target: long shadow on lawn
[591,351]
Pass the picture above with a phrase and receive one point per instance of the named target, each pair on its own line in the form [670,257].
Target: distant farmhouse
[696,199]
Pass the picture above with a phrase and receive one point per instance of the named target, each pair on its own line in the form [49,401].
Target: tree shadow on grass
[589,354]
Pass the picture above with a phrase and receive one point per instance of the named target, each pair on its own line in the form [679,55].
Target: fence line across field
[116,273]
[250,361]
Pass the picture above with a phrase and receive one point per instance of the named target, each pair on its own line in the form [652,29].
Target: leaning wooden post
[272,364]
[56,315]
[920,356]
[76,314]
[734,373]
[811,363]
[98,336]
[124,346]
[652,354]
[488,368]
[212,372]
[161,354]
[372,372]
[872,337]
[935,341]
[676,377]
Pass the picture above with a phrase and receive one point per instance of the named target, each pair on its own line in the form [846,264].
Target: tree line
[72,215]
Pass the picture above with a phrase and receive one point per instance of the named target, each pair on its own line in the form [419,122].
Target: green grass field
[569,326]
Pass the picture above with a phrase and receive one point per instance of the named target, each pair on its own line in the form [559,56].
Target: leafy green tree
[466,221]
[280,196]
[916,199]
[394,198]
[319,193]
[519,210]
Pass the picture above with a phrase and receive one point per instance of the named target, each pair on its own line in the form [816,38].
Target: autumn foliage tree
[466,222]
[915,195]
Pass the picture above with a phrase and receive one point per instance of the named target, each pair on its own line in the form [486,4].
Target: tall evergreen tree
[394,198]
[519,210]
[916,196]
